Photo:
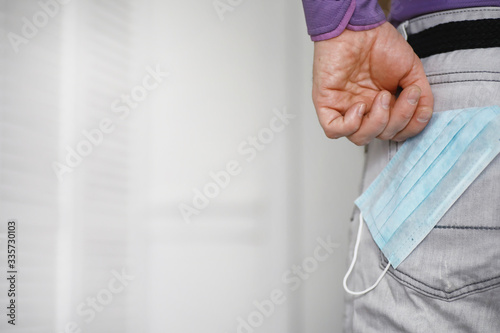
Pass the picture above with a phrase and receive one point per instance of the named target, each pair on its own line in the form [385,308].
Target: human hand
[355,79]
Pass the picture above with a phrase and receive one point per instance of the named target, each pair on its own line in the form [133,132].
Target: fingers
[404,118]
[407,117]
[423,112]
[337,125]
[375,121]
[402,112]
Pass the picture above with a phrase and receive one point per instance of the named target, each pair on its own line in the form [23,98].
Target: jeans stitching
[394,273]
[441,296]
[458,81]
[464,72]
[463,227]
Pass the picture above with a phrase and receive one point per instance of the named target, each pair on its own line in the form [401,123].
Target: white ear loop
[356,246]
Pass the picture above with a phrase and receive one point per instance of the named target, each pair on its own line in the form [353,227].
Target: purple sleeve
[329,18]
[367,15]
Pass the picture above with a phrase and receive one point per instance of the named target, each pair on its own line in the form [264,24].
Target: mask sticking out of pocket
[425,177]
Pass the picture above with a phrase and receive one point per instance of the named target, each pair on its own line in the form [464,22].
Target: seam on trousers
[491,286]
[462,227]
[391,271]
[463,72]
[458,81]
[444,291]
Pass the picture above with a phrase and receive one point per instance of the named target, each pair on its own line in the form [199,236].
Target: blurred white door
[202,195]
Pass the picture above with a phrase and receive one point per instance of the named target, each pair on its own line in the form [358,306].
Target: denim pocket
[461,255]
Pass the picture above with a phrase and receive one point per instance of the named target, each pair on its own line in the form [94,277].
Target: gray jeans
[451,281]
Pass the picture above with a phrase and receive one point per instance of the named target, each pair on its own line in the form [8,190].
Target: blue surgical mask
[425,177]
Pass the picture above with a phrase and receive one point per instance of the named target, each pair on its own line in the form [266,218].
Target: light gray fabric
[451,281]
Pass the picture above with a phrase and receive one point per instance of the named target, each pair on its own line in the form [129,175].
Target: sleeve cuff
[340,28]
[360,15]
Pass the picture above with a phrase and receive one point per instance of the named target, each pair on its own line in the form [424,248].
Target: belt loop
[402,29]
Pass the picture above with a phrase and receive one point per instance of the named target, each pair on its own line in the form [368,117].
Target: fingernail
[361,109]
[414,96]
[424,116]
[386,100]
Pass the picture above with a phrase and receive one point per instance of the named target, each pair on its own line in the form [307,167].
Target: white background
[119,208]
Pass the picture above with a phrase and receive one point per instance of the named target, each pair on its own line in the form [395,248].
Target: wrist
[365,27]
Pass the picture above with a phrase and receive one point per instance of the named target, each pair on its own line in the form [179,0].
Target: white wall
[227,77]
[120,207]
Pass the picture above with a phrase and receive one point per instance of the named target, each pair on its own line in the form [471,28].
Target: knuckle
[331,134]
[381,121]
[399,138]
[406,116]
[408,132]
[385,136]
[359,141]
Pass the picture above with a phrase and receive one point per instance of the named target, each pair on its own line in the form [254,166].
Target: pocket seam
[446,294]
[447,298]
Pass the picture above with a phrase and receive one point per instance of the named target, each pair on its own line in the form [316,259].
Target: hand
[355,79]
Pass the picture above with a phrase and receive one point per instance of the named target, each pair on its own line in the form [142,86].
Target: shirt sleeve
[329,18]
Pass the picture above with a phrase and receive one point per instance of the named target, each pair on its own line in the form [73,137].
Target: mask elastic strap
[356,246]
